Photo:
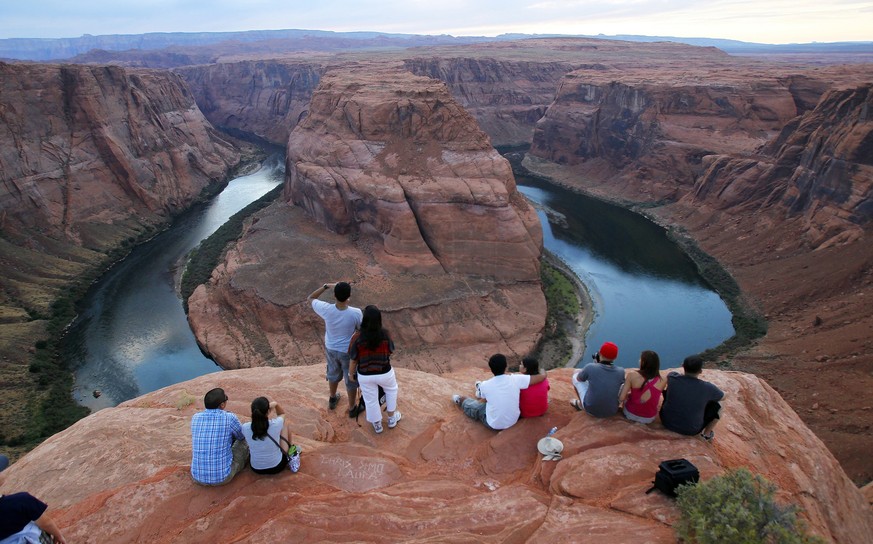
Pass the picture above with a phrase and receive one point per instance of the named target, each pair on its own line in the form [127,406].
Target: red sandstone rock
[427,224]
[264,98]
[820,167]
[86,146]
[121,475]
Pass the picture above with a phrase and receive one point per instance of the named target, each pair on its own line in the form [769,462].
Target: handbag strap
[277,444]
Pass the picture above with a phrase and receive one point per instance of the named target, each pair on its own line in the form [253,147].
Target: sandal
[576,404]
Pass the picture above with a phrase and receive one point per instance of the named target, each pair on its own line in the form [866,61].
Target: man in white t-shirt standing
[498,408]
[340,323]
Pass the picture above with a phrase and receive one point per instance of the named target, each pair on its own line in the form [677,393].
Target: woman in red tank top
[641,392]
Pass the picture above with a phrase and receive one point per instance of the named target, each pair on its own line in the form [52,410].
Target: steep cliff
[507,97]
[436,477]
[654,126]
[819,167]
[91,158]
[84,147]
[412,204]
[266,98]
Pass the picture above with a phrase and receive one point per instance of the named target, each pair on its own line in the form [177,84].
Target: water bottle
[552,431]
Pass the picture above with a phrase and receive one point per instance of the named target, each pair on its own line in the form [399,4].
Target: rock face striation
[412,204]
[438,476]
[820,167]
[265,98]
[506,96]
[86,148]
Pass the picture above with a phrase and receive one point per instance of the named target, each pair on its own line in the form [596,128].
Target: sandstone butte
[390,185]
[122,474]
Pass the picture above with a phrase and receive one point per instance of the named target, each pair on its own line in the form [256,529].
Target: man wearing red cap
[598,384]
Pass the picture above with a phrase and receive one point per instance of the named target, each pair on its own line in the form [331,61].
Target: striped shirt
[212,434]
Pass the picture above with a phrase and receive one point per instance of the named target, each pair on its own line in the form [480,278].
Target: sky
[762,21]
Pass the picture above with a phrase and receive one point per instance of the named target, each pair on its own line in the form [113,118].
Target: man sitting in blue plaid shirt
[219,450]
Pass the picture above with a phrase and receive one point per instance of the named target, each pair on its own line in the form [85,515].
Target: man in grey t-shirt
[598,384]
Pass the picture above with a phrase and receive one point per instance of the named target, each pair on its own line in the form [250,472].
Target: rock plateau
[122,474]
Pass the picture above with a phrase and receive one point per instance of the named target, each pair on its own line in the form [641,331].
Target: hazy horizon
[768,22]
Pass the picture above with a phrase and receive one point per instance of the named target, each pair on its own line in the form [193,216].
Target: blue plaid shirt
[212,434]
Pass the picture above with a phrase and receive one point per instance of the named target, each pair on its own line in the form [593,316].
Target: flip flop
[576,404]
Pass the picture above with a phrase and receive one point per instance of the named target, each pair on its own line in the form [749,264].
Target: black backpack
[673,473]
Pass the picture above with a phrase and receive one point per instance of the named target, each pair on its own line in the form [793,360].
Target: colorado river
[647,293]
[132,336]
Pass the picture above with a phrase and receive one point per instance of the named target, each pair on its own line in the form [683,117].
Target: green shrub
[739,508]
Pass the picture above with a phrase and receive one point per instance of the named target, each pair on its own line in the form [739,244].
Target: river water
[647,293]
[132,336]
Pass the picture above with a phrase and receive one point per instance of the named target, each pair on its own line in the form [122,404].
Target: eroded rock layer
[84,147]
[266,98]
[437,476]
[412,204]
[820,167]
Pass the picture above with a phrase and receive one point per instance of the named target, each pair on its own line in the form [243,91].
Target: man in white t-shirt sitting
[498,408]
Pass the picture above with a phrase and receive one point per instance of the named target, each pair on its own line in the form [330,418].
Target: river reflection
[647,292]
[132,336]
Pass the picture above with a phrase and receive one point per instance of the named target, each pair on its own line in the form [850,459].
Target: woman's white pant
[370,391]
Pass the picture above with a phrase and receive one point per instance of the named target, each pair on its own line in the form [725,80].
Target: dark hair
[692,364]
[497,364]
[260,423]
[650,364]
[531,366]
[372,333]
[342,291]
[214,398]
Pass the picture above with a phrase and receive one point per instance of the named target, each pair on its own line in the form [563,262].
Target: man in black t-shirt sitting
[22,516]
[691,405]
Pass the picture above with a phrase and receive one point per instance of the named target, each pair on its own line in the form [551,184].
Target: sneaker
[708,436]
[456,399]
[331,402]
[392,421]
[377,426]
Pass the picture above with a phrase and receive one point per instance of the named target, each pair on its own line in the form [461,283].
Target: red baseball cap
[609,351]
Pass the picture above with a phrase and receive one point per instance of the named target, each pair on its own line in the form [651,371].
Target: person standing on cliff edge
[340,323]
[23,518]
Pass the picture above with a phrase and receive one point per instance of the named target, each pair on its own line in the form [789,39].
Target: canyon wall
[266,98]
[438,476]
[507,97]
[819,167]
[391,185]
[91,158]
